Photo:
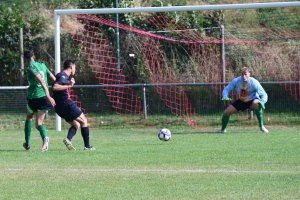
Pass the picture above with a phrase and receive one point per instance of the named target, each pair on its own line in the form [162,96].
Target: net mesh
[264,40]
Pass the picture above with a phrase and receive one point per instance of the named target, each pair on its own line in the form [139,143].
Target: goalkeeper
[251,95]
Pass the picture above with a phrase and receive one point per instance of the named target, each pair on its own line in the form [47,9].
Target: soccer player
[38,97]
[67,109]
[251,95]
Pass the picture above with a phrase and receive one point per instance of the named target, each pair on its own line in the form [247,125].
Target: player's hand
[226,99]
[52,101]
[262,104]
[72,81]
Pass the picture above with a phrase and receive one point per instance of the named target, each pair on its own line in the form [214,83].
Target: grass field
[135,164]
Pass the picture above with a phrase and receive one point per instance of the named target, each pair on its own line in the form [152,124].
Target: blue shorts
[38,104]
[68,110]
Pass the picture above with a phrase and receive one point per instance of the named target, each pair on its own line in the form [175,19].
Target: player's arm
[39,79]
[59,87]
[227,90]
[262,95]
[52,77]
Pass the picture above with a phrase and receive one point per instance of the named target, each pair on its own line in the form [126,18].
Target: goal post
[58,13]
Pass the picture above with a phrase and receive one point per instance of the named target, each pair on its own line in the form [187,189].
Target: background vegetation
[37,24]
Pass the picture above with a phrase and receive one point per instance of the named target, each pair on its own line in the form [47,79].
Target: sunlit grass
[135,164]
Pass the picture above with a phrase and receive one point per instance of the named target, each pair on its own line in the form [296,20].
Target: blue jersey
[247,90]
[60,96]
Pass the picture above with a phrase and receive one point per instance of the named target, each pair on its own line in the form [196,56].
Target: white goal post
[57,14]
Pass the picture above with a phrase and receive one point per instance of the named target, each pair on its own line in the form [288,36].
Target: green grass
[135,164]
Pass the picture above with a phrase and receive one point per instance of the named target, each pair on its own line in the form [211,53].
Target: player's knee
[255,106]
[226,113]
[84,124]
[29,118]
[76,125]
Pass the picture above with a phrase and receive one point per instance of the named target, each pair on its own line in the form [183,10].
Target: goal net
[188,55]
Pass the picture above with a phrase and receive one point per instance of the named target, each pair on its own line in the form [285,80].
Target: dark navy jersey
[60,96]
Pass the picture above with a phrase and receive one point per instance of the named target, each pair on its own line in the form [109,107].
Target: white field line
[154,170]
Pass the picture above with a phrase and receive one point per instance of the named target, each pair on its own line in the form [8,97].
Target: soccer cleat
[263,129]
[27,147]
[89,148]
[221,131]
[45,144]
[69,144]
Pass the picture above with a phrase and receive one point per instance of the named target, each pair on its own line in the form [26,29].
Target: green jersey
[35,89]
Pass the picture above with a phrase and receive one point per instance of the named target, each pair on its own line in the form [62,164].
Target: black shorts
[240,105]
[38,104]
[68,110]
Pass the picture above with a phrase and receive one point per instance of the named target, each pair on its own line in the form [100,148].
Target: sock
[42,131]
[225,120]
[86,136]
[27,130]
[259,115]
[71,133]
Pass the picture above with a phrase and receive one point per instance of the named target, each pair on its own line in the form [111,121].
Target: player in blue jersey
[67,109]
[251,95]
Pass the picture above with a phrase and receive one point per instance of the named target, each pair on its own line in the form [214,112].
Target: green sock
[225,120]
[27,130]
[259,115]
[42,131]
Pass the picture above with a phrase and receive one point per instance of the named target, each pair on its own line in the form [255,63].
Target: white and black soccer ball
[164,134]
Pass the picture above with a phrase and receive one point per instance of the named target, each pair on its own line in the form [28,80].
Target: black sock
[86,136]
[71,133]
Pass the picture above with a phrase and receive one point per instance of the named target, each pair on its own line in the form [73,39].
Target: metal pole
[251,114]
[223,54]
[145,103]
[57,59]
[117,37]
[21,49]
[118,49]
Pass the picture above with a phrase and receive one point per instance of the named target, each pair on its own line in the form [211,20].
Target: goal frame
[58,13]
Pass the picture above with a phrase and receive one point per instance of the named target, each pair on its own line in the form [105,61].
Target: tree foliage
[12,19]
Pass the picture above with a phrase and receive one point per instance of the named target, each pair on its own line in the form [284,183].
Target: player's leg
[43,106]
[28,127]
[73,129]
[226,115]
[40,116]
[75,114]
[71,133]
[259,114]
[85,132]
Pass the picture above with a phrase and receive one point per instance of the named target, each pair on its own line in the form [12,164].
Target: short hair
[28,54]
[245,70]
[68,63]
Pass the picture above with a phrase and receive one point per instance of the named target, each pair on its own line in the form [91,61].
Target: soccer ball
[164,134]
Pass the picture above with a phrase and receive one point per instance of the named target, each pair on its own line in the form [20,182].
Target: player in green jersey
[38,97]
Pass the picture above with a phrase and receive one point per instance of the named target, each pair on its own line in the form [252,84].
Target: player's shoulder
[61,75]
[252,79]
[235,80]
[38,64]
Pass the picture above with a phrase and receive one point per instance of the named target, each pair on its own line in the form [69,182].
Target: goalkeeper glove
[262,104]
[226,99]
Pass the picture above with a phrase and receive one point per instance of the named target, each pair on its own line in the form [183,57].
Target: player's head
[245,73]
[70,64]
[29,55]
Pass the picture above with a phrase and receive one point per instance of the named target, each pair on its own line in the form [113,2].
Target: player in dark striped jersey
[67,109]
